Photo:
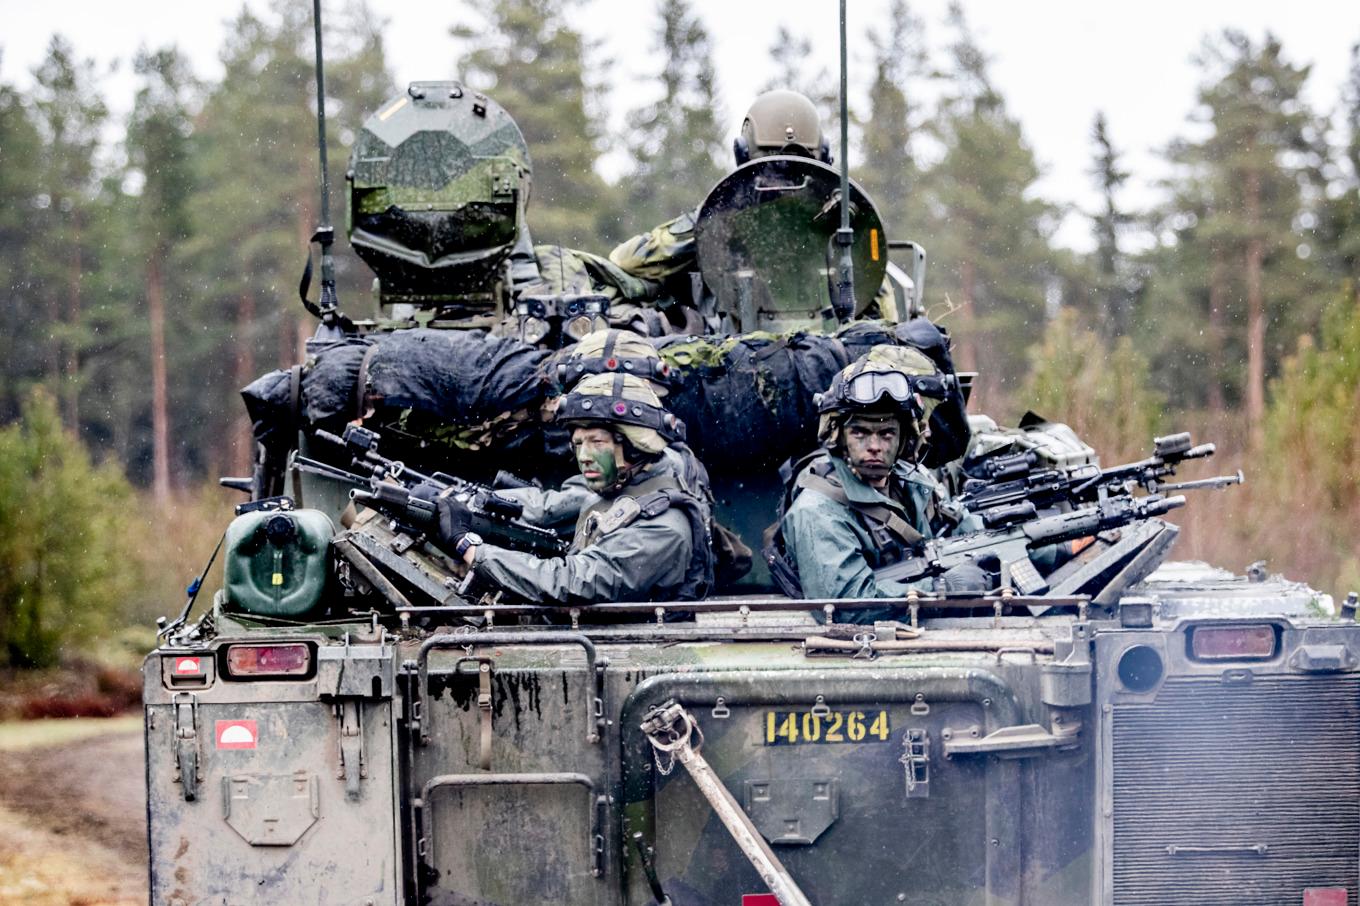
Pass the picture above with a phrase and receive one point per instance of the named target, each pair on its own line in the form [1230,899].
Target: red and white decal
[1325,896]
[187,665]
[237,734]
[759,899]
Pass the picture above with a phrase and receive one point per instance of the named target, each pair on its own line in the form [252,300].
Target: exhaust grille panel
[1237,794]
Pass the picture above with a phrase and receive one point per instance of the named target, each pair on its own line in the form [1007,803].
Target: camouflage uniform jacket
[559,510]
[834,547]
[621,552]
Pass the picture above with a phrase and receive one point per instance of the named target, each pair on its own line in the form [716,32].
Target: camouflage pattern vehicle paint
[1204,729]
[1193,741]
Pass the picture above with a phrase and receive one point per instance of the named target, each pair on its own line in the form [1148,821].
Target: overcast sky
[1056,62]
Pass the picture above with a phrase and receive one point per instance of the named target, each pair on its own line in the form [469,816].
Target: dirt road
[73,823]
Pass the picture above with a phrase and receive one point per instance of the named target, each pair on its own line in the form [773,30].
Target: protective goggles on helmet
[870,387]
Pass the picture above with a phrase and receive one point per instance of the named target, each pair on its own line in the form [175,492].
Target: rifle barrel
[1215,483]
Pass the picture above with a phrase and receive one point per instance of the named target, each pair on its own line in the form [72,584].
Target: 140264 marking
[792,727]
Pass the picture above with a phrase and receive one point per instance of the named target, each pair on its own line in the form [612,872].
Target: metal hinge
[352,765]
[185,706]
[916,760]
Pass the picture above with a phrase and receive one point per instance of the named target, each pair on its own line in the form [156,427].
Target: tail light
[1253,642]
[267,661]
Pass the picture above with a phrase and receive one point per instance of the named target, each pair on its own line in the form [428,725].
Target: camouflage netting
[464,400]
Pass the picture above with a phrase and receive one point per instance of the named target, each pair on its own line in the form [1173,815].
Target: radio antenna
[844,303]
[333,324]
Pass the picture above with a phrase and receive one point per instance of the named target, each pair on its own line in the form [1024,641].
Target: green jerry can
[276,562]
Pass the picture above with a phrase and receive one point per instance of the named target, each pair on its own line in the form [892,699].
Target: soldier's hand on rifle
[455,521]
[966,577]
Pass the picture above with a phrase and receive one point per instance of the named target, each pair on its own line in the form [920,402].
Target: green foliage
[1305,477]
[1113,287]
[1101,391]
[988,232]
[791,54]
[21,349]
[676,142]
[534,63]
[890,171]
[1244,190]
[1313,445]
[65,568]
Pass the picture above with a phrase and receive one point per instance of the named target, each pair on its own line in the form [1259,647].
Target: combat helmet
[612,351]
[781,122]
[896,380]
[622,403]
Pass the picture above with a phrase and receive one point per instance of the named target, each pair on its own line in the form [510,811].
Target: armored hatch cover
[1194,588]
[765,238]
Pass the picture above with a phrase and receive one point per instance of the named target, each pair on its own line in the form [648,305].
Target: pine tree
[24,341]
[158,143]
[70,114]
[258,129]
[794,70]
[676,142]
[1340,227]
[988,233]
[534,64]
[1251,181]
[1112,287]
[889,171]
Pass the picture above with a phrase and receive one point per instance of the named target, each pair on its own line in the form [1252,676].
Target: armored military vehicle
[343,724]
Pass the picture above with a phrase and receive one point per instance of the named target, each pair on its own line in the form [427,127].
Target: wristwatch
[469,539]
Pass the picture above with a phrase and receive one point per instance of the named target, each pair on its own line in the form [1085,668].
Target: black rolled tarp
[468,400]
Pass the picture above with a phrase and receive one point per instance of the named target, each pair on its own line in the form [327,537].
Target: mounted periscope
[766,245]
[439,180]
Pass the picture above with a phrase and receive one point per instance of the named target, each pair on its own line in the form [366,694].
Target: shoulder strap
[877,512]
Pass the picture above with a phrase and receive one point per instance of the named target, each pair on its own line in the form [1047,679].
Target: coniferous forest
[149,269]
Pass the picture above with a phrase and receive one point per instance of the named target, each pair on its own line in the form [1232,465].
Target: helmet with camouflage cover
[612,351]
[625,404]
[887,380]
[781,122]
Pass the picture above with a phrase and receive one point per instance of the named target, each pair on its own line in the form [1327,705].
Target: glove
[455,520]
[966,577]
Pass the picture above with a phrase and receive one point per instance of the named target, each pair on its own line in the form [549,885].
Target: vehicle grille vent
[1212,771]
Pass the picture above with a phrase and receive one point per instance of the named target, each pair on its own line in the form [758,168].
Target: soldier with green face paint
[863,501]
[645,536]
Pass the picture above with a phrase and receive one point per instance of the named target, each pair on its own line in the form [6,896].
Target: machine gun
[1012,489]
[1011,544]
[409,497]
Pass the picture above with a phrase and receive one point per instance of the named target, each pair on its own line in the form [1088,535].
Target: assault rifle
[408,496]
[1011,489]
[1012,544]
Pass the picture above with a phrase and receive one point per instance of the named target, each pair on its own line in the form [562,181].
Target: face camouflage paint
[596,457]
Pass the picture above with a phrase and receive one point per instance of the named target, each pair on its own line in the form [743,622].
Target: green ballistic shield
[766,244]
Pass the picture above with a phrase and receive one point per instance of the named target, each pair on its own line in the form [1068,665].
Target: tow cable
[676,736]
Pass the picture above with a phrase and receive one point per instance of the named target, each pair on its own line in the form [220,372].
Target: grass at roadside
[31,734]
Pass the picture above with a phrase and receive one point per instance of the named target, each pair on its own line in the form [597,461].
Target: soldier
[644,538]
[609,351]
[778,122]
[863,501]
